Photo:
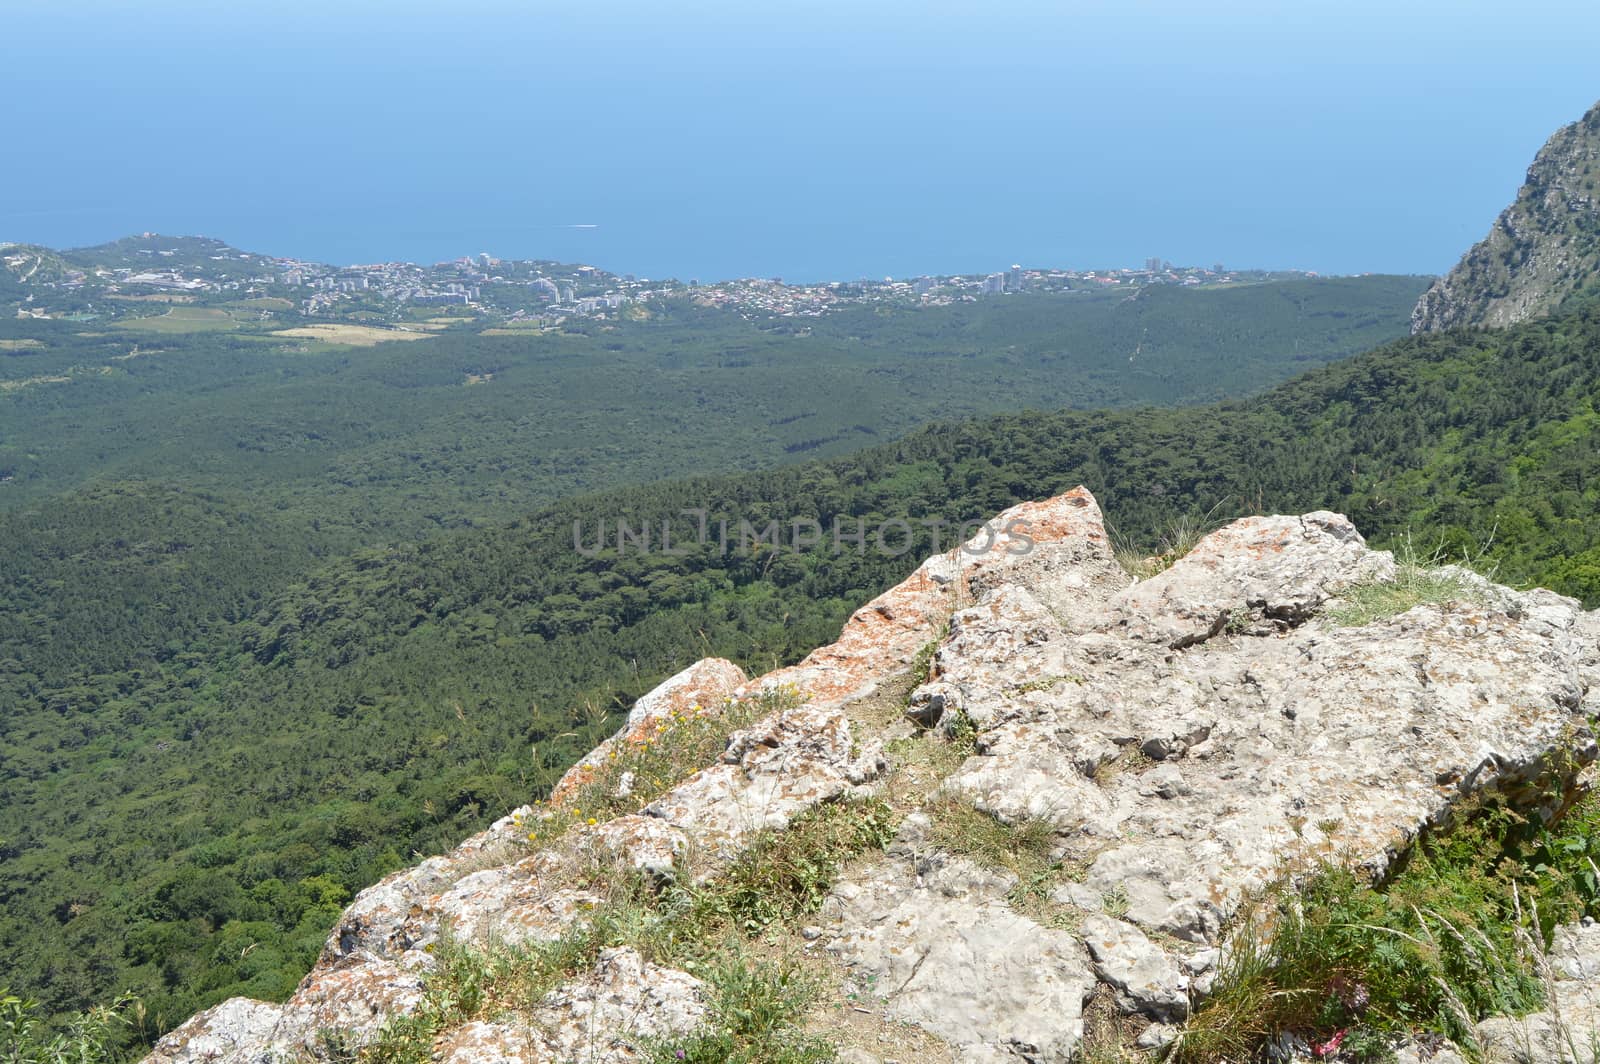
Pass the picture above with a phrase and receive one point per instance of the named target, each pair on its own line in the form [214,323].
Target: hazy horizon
[811,142]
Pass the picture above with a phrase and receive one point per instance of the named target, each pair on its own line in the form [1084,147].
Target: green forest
[397,440]
[228,710]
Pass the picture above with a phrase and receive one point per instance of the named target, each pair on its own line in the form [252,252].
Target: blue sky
[807,140]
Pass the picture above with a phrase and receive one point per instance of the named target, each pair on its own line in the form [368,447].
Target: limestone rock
[1146,977]
[238,1031]
[481,1042]
[1276,568]
[608,1017]
[947,953]
[771,772]
[1024,774]
[1411,1052]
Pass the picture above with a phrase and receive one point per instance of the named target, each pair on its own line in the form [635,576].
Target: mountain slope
[157,815]
[1107,779]
[1542,250]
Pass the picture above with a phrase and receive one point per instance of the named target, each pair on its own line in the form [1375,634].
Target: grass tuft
[1177,539]
[1028,850]
[1420,579]
[755,1014]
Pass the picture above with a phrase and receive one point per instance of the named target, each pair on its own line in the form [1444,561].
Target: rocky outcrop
[1182,741]
[1542,248]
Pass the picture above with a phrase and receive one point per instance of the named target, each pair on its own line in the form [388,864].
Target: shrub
[88,1038]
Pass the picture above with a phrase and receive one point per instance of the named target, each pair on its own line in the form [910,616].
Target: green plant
[1027,850]
[88,1038]
[959,829]
[1044,683]
[1239,621]
[755,1014]
[1454,936]
[786,874]
[922,663]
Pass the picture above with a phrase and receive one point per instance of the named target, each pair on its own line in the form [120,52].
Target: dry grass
[349,335]
[1176,540]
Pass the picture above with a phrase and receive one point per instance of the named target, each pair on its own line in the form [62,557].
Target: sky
[812,141]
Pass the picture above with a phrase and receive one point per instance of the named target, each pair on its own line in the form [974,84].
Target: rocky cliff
[1175,744]
[1542,249]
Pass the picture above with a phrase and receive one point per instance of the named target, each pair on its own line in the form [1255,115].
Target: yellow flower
[593,821]
[533,836]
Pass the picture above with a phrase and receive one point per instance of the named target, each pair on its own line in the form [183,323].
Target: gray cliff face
[1542,249]
[1185,738]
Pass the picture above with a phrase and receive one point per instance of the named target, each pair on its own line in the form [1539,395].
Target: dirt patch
[351,335]
[849,1024]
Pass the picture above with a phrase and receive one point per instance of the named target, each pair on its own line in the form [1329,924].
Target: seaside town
[123,278]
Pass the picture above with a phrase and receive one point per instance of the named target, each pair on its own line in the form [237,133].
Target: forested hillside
[185,824]
[400,439]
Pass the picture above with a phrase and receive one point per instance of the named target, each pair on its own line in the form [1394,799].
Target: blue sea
[809,141]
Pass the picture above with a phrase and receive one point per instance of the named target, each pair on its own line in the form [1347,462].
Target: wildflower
[1331,1046]
[593,821]
[533,836]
